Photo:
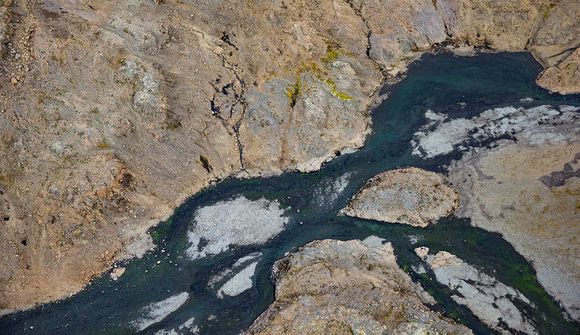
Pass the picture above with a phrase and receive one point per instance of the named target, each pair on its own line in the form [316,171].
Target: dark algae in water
[311,202]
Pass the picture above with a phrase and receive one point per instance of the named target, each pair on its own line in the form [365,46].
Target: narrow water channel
[456,86]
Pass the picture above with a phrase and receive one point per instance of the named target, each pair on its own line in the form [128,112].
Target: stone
[231,285]
[239,221]
[347,287]
[533,126]
[117,273]
[490,300]
[184,93]
[239,283]
[505,190]
[411,196]
[563,78]
[157,311]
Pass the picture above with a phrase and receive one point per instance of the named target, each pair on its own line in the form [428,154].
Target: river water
[458,86]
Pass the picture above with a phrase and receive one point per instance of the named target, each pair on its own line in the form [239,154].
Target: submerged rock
[490,300]
[336,287]
[534,126]
[239,221]
[412,196]
[241,281]
[329,190]
[158,311]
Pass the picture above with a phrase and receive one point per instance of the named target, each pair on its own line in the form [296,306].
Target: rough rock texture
[412,196]
[113,112]
[336,287]
[158,311]
[564,77]
[4,17]
[530,196]
[490,300]
[237,278]
[538,125]
[239,221]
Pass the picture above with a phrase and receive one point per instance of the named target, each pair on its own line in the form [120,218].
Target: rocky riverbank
[349,287]
[112,113]
[412,196]
[490,300]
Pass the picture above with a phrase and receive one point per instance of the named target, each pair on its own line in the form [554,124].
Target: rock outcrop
[525,187]
[336,287]
[523,193]
[412,196]
[564,77]
[113,112]
[489,299]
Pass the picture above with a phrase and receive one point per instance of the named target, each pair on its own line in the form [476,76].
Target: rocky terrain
[490,300]
[351,287]
[412,196]
[516,188]
[524,186]
[113,112]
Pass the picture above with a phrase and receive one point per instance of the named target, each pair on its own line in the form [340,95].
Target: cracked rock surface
[348,287]
[412,196]
[489,299]
[114,112]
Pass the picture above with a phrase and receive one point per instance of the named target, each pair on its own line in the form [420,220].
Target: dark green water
[437,82]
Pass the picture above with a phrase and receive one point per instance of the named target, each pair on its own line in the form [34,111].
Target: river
[459,86]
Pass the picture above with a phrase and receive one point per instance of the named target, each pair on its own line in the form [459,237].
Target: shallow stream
[456,86]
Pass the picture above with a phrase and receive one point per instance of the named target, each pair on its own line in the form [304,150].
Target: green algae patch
[339,94]
[294,91]
[332,53]
[161,230]
[320,71]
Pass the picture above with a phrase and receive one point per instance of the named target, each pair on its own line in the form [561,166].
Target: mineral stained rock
[412,196]
[114,112]
[490,300]
[336,287]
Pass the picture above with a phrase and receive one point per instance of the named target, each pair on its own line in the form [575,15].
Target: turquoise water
[438,82]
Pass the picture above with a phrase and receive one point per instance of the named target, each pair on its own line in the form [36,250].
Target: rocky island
[412,196]
[114,113]
[349,287]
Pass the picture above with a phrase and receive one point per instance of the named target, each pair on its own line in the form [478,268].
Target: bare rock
[559,33]
[563,78]
[489,299]
[117,273]
[412,196]
[348,287]
[177,94]
[505,190]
